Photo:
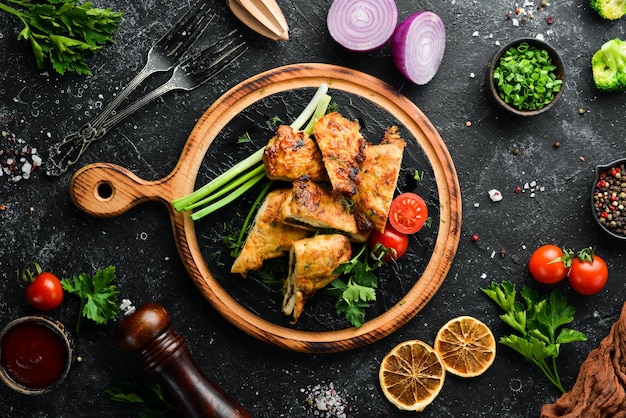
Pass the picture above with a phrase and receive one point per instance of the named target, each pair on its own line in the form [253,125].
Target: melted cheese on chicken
[341,144]
[312,262]
[268,238]
[376,182]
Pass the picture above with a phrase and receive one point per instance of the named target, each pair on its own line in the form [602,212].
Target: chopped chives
[526,77]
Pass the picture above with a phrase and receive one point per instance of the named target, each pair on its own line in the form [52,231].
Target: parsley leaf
[355,295]
[148,392]
[98,297]
[62,31]
[539,322]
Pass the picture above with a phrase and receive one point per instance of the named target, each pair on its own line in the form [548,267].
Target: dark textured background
[40,222]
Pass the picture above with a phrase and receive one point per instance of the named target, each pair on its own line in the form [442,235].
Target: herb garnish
[526,77]
[63,32]
[355,295]
[98,297]
[538,323]
[149,392]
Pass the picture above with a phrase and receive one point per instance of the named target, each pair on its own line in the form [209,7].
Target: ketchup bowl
[35,354]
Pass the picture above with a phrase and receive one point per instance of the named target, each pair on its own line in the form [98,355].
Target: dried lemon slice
[411,375]
[466,346]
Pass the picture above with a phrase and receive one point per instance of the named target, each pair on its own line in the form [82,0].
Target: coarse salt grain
[20,160]
[325,401]
[495,195]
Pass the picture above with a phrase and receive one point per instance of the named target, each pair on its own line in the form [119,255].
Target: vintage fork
[190,74]
[163,55]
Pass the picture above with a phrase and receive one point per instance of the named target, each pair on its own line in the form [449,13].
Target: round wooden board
[122,190]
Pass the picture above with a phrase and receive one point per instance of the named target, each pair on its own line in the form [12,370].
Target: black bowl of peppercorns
[608,198]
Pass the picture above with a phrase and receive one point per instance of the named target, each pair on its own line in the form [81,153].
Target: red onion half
[362,25]
[418,45]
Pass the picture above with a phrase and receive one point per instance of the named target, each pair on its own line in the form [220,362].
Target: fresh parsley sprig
[98,297]
[355,288]
[148,392]
[538,322]
[63,32]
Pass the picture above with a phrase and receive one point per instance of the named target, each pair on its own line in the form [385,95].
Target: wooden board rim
[312,75]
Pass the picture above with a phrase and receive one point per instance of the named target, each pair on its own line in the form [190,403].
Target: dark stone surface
[40,222]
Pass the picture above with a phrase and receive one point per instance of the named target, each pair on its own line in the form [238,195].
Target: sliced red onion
[362,25]
[418,45]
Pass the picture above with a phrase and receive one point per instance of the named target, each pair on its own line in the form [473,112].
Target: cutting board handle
[106,190]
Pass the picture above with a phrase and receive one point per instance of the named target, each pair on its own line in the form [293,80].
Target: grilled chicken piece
[313,206]
[312,262]
[268,238]
[342,145]
[376,181]
[291,154]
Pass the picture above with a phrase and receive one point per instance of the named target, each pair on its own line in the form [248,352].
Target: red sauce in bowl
[33,355]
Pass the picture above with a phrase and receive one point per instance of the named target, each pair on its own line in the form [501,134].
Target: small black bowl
[602,173]
[539,44]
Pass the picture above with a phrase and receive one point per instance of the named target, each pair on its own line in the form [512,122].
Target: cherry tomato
[548,264]
[45,292]
[588,275]
[408,213]
[392,239]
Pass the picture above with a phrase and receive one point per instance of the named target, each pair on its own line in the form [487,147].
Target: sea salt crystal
[27,167]
[495,195]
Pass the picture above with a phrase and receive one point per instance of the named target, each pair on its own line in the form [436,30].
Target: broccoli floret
[609,9]
[608,66]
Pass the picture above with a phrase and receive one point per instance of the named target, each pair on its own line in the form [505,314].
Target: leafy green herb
[332,107]
[418,175]
[272,272]
[63,32]
[274,121]
[355,289]
[149,392]
[526,77]
[244,138]
[538,322]
[98,297]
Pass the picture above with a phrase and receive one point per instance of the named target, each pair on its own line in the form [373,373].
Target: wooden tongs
[262,16]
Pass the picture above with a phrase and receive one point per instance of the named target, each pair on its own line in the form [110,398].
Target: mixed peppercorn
[609,199]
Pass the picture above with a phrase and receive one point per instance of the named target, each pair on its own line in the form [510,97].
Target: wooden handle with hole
[106,190]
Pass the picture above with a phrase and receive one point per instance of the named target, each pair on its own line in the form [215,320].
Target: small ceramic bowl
[533,42]
[36,353]
[608,198]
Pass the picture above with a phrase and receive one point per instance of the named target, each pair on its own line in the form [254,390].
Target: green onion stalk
[241,177]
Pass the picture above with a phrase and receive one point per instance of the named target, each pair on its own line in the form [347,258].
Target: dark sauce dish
[36,353]
[608,198]
[494,91]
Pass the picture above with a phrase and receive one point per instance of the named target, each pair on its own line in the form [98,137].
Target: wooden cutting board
[107,190]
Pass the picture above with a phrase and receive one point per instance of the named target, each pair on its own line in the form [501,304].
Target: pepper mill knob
[147,333]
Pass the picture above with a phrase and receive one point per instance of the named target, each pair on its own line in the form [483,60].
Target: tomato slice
[408,213]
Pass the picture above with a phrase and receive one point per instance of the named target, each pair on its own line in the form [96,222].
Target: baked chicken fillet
[377,179]
[341,144]
[268,237]
[312,265]
[314,206]
[291,154]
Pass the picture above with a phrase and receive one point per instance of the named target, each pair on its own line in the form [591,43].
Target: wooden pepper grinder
[163,353]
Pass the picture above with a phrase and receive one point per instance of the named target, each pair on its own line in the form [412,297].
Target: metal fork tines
[163,55]
[190,74]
